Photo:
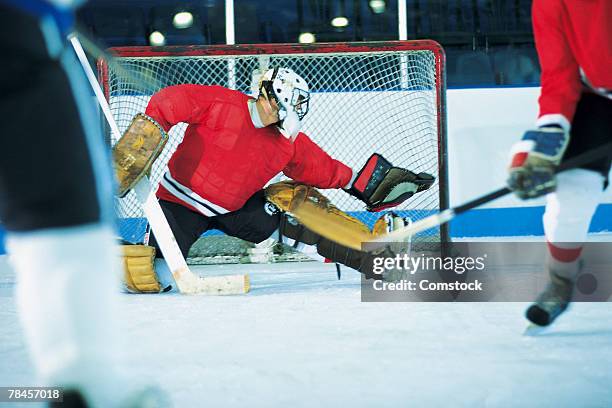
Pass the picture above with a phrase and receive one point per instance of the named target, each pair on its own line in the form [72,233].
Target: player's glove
[535,159]
[381,185]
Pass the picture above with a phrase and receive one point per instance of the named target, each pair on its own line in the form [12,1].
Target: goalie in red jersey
[574,43]
[235,144]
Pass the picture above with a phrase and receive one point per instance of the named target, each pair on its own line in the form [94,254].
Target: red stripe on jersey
[564,254]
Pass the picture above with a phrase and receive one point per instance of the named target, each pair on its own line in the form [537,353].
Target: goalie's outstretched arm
[311,165]
[379,184]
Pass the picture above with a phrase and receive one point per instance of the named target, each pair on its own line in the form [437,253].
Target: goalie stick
[445,216]
[186,281]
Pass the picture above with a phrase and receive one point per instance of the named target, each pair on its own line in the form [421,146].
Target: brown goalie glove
[313,210]
[381,185]
[139,268]
[135,152]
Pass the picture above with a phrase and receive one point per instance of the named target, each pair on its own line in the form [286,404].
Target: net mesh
[361,102]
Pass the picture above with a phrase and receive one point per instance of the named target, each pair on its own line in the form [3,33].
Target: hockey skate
[394,222]
[552,302]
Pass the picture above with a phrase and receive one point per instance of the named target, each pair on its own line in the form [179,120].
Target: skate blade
[534,330]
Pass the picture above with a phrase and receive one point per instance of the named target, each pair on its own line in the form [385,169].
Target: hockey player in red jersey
[230,151]
[233,146]
[574,44]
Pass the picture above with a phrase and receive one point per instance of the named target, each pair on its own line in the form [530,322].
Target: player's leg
[259,220]
[186,225]
[255,222]
[300,237]
[569,210]
[56,203]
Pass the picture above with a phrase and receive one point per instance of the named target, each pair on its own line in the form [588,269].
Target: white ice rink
[303,339]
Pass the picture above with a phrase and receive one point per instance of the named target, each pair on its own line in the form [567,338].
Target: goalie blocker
[136,151]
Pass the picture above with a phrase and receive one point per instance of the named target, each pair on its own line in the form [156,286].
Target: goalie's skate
[552,302]
[394,222]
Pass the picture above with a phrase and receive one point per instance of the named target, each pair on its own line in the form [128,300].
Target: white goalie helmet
[290,92]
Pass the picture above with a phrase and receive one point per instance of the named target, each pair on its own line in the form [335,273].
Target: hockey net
[386,97]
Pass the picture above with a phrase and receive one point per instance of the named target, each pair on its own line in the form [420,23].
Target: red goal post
[387,97]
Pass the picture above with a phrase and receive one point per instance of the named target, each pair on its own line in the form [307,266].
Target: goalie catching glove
[535,159]
[135,152]
[381,185]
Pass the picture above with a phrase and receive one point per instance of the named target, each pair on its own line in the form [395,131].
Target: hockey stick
[448,214]
[98,50]
[185,279]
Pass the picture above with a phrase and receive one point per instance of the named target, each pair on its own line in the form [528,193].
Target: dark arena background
[441,87]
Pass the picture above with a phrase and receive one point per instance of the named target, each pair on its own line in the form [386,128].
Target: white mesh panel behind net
[361,103]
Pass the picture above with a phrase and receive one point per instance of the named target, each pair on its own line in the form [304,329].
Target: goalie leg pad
[139,270]
[313,210]
[328,249]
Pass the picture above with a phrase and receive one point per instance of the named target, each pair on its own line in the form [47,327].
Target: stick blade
[225,285]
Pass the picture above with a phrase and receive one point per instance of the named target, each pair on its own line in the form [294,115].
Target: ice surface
[302,339]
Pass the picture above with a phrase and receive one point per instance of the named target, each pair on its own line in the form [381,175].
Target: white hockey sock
[66,295]
[567,217]
[569,209]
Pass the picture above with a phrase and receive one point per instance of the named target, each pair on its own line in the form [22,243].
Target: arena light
[339,22]
[307,38]
[377,6]
[156,38]
[183,19]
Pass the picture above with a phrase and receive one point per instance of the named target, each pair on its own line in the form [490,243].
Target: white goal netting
[388,100]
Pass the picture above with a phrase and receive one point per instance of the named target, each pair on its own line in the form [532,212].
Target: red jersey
[574,43]
[224,159]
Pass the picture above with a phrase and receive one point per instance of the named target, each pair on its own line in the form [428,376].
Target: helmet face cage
[299,99]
